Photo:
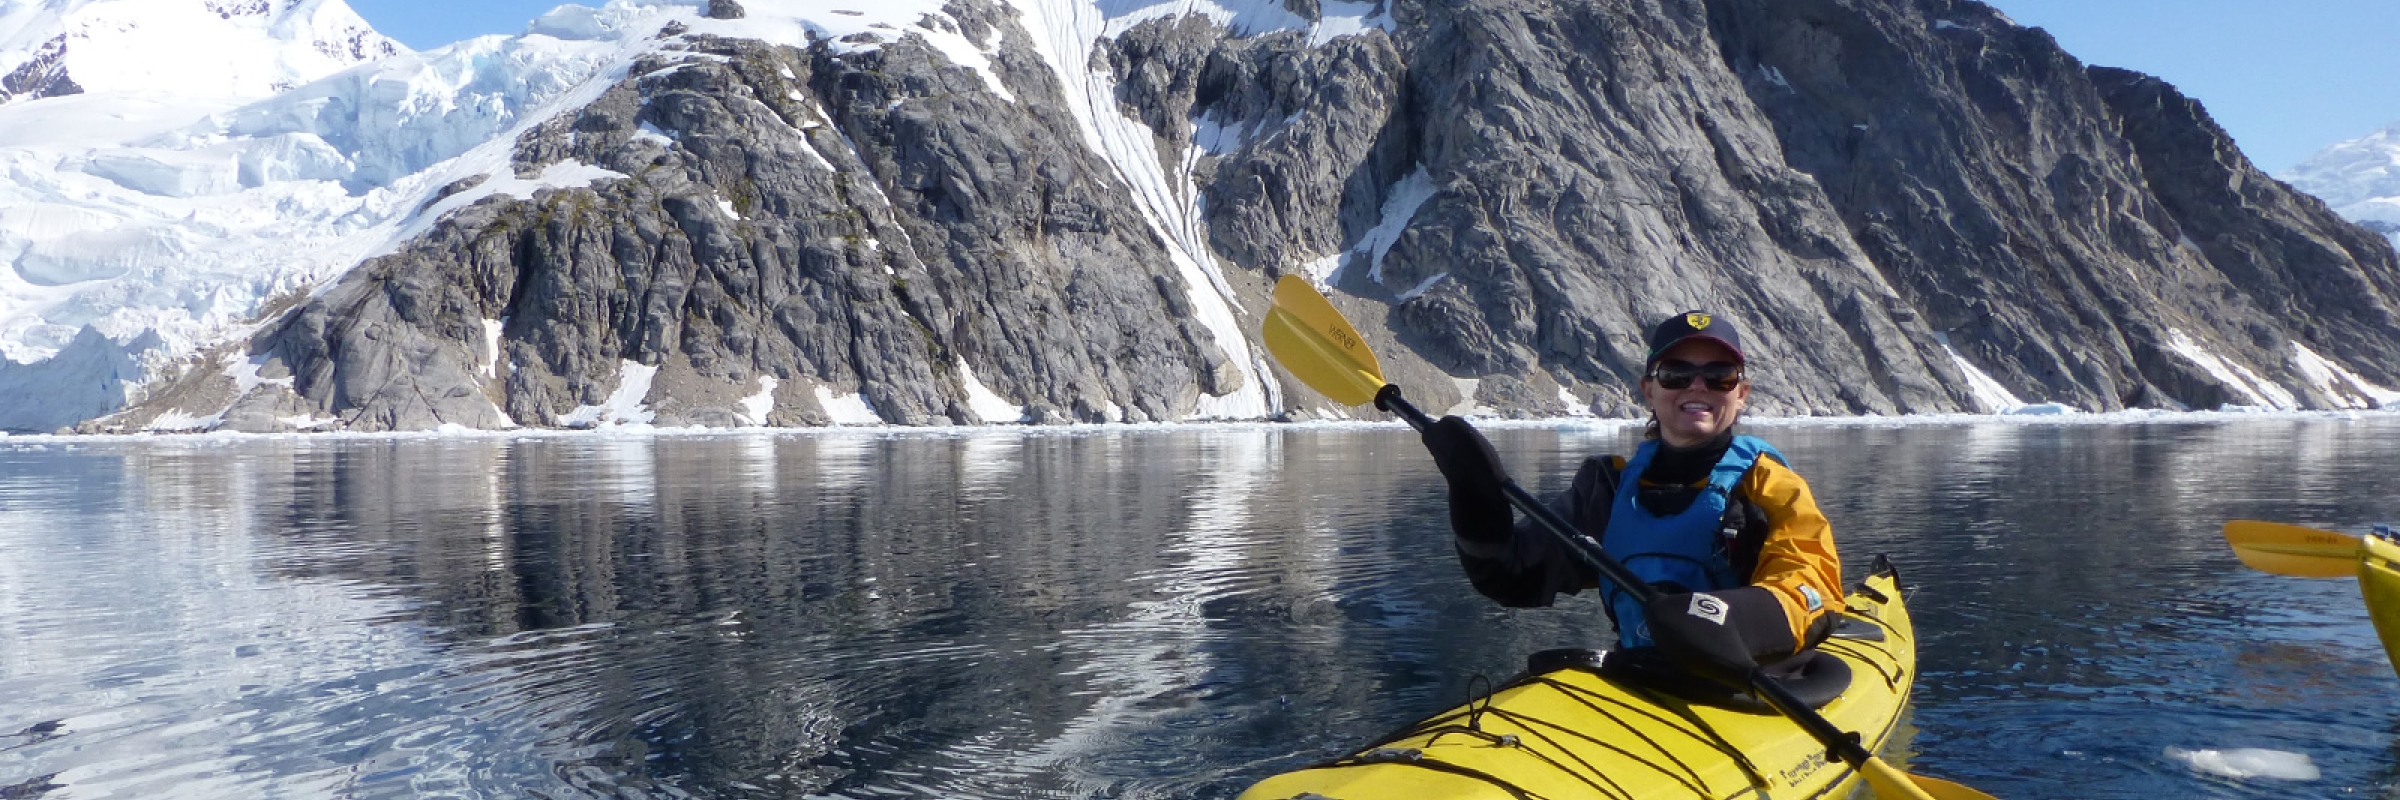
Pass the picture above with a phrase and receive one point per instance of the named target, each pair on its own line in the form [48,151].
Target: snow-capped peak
[190,48]
[2359,178]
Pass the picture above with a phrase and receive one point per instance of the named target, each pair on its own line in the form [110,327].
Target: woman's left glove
[1720,635]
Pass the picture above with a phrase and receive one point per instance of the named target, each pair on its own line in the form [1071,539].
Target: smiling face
[1696,413]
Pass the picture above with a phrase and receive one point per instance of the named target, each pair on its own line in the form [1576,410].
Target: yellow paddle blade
[1890,783]
[2293,550]
[1307,336]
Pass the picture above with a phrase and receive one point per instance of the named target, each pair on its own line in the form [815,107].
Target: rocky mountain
[2359,178]
[806,212]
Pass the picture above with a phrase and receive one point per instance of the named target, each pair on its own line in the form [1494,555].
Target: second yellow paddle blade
[1307,336]
[2274,547]
[1890,783]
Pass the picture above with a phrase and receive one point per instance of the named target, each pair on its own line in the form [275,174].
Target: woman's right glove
[1478,507]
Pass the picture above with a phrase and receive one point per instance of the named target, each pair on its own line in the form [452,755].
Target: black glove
[1713,633]
[1478,508]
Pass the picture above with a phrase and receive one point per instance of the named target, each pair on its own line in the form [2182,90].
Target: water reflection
[1045,613]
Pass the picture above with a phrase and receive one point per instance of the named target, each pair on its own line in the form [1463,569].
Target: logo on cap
[1698,321]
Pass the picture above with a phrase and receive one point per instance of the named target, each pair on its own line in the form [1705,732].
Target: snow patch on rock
[848,411]
[623,406]
[755,408]
[1996,399]
[2260,391]
[2345,387]
[986,404]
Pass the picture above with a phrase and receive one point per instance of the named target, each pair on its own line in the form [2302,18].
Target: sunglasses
[1677,374]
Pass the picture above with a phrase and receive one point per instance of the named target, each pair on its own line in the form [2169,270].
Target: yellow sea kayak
[2379,583]
[1592,729]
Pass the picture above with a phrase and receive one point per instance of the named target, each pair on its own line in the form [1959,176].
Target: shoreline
[1585,423]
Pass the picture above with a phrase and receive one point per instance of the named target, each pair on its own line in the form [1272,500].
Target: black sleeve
[1528,567]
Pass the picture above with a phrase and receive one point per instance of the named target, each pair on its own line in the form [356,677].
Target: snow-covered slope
[2360,178]
[188,48]
[91,229]
[134,209]
[169,218]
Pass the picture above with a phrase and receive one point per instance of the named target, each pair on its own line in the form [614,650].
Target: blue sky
[427,24]
[2285,77]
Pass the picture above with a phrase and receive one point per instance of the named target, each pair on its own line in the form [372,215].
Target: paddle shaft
[1841,745]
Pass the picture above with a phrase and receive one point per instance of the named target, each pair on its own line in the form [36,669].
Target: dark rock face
[2312,279]
[1503,194]
[2062,228]
[42,75]
[1583,170]
[857,225]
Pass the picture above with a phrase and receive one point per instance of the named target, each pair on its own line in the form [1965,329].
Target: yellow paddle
[1309,337]
[2274,547]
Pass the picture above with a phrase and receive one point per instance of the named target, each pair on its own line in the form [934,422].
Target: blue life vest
[1691,548]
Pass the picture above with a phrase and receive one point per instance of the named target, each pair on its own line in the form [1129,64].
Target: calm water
[1150,614]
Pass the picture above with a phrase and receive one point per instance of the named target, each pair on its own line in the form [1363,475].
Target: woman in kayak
[1728,533]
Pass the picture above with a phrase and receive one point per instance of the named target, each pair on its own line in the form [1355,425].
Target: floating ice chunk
[2249,762]
[2043,410]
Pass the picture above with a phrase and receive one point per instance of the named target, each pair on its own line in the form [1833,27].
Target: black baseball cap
[1694,325]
